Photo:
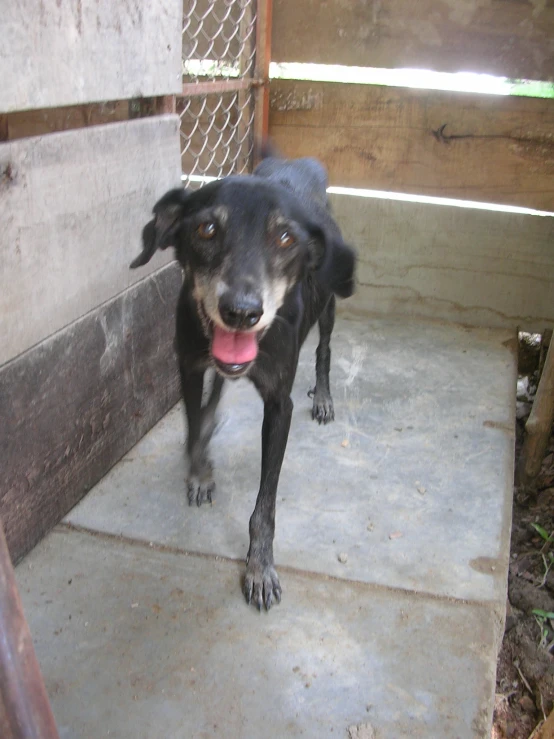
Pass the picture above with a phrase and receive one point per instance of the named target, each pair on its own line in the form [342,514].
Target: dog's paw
[261,585]
[200,489]
[322,409]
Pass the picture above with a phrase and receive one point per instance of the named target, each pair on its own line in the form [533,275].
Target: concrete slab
[413,481]
[138,643]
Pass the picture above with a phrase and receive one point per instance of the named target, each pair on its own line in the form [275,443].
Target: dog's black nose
[240,312]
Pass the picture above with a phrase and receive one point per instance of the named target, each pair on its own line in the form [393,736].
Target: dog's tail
[267,149]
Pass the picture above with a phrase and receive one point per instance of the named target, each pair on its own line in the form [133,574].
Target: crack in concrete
[66,526]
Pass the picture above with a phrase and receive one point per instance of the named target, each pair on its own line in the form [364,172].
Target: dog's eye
[285,239]
[207,230]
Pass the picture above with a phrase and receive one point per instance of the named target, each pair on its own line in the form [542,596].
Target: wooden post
[4,131]
[248,56]
[263,59]
[25,711]
[539,424]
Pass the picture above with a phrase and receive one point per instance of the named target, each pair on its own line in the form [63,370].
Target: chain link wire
[219,46]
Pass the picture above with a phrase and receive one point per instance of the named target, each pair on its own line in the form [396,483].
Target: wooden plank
[82,51]
[72,406]
[508,38]
[72,208]
[476,147]
[216,87]
[470,266]
[52,120]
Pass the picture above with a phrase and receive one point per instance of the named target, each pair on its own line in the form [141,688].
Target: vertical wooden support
[25,711]
[4,133]
[243,109]
[263,59]
[539,423]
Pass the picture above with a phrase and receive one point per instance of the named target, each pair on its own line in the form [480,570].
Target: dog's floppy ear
[162,230]
[333,261]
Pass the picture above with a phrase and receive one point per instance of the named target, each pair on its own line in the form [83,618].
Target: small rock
[343,558]
[527,703]
[370,526]
[396,535]
[421,489]
[345,443]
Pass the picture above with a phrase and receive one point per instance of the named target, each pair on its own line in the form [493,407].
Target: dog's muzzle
[233,351]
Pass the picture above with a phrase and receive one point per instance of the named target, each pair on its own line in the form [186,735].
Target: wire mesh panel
[217,108]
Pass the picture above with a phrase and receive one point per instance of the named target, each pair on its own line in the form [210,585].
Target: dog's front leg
[261,582]
[201,424]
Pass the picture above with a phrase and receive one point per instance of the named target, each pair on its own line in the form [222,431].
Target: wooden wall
[457,145]
[81,51]
[511,38]
[73,207]
[415,258]
[475,267]
[86,359]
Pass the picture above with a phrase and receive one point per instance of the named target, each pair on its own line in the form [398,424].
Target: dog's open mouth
[233,351]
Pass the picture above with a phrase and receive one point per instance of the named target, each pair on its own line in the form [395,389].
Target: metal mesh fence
[217,107]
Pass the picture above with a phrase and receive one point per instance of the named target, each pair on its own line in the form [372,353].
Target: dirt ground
[525,671]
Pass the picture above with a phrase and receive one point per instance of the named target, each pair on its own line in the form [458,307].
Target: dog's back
[306,177]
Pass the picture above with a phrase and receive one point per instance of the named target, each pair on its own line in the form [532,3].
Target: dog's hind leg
[201,425]
[322,410]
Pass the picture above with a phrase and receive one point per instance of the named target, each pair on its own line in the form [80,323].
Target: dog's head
[243,244]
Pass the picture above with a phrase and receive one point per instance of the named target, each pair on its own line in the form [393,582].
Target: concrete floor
[135,601]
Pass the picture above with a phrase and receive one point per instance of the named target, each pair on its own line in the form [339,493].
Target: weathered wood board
[81,51]
[72,406]
[73,206]
[458,145]
[475,267]
[511,38]
[53,120]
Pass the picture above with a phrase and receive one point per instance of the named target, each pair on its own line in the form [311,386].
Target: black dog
[263,260]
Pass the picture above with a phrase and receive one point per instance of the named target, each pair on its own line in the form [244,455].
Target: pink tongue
[234,347]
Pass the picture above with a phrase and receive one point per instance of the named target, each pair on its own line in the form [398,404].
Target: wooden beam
[25,711]
[263,59]
[474,147]
[501,37]
[53,120]
[165,105]
[218,87]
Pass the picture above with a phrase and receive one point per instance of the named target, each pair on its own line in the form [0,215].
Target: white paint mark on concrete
[352,368]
